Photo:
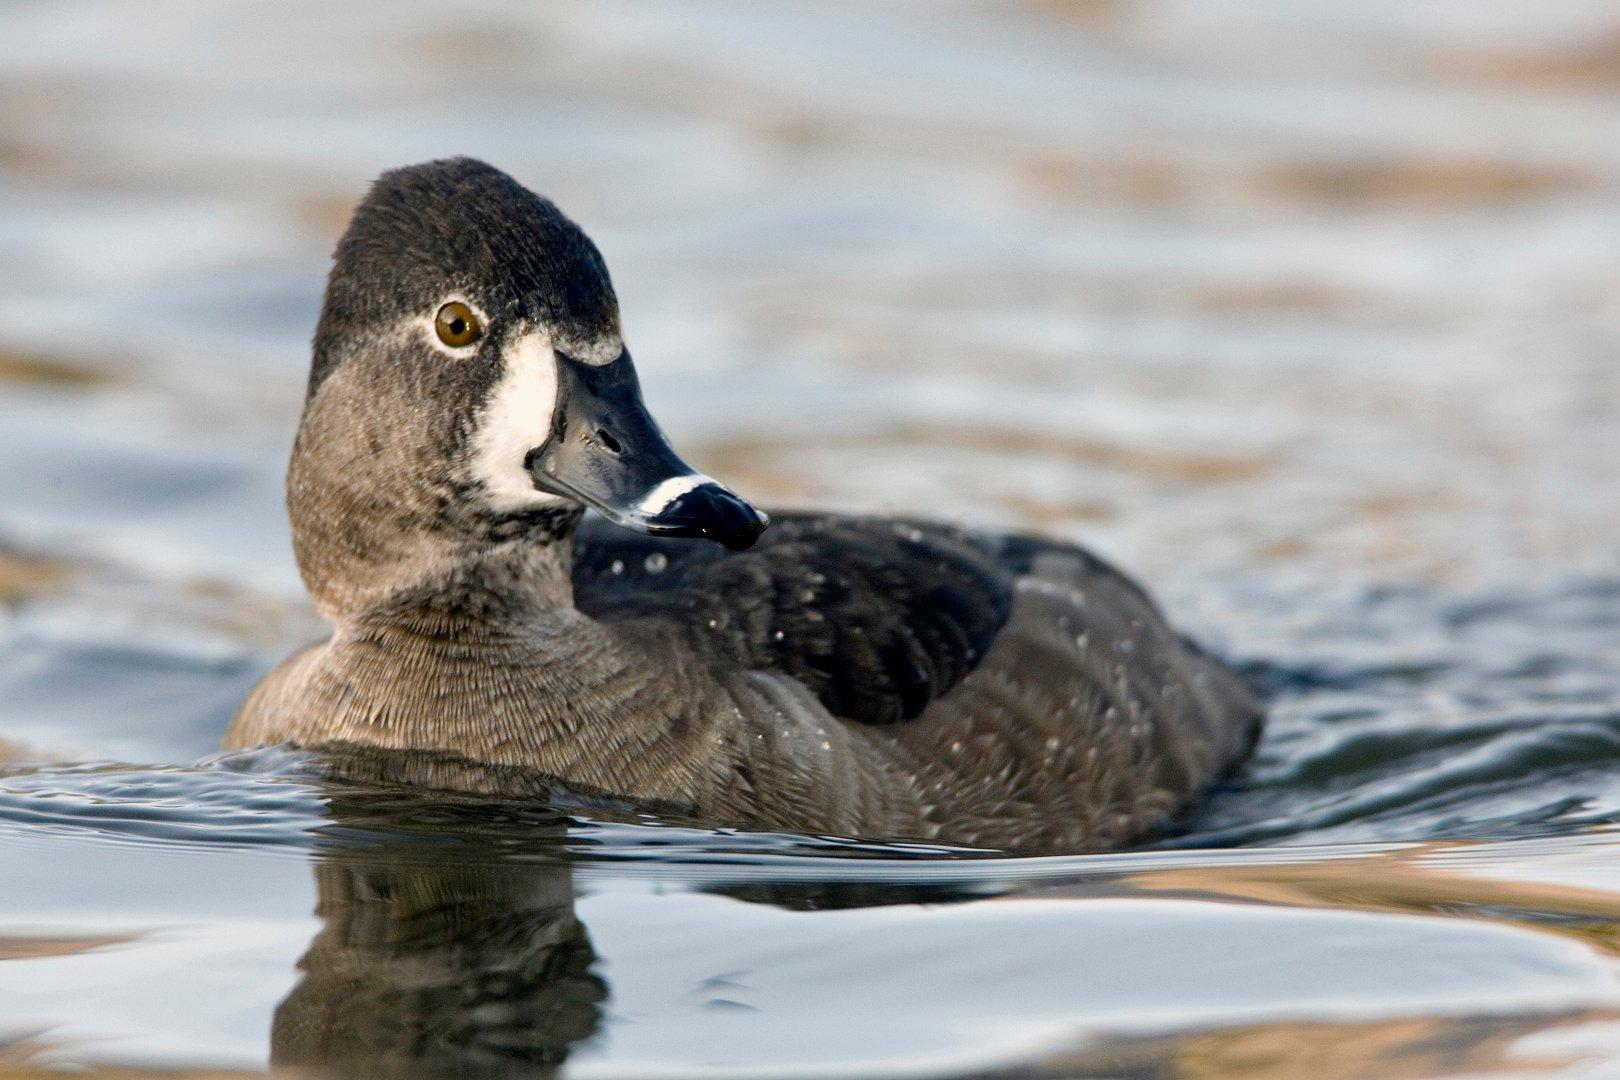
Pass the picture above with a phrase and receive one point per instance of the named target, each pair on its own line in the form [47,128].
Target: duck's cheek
[516,418]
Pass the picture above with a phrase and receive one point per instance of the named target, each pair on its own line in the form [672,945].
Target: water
[1306,314]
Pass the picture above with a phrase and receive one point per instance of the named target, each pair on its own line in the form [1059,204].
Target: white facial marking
[596,352]
[658,499]
[515,420]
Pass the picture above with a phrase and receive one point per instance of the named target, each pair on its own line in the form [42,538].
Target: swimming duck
[471,395]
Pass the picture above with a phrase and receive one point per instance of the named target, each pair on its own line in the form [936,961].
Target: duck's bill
[605,451]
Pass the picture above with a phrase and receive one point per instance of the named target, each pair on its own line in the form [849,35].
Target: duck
[527,585]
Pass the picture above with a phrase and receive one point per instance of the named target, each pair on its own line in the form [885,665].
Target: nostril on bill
[608,442]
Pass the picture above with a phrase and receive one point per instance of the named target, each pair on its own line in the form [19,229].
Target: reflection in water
[454,966]
[450,944]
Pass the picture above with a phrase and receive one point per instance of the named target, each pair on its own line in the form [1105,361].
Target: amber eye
[457,325]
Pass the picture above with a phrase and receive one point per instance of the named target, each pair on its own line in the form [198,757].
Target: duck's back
[1035,696]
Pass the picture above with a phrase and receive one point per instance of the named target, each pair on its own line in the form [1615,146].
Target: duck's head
[471,385]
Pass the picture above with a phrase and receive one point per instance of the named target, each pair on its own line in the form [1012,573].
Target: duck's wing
[1037,691]
[877,617]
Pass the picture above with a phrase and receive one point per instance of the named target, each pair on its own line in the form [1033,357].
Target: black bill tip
[710,512]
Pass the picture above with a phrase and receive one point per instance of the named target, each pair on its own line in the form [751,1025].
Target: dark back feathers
[877,618]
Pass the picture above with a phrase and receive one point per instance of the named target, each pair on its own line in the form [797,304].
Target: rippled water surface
[1308,313]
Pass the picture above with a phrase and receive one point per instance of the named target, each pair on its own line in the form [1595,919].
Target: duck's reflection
[450,944]
[453,965]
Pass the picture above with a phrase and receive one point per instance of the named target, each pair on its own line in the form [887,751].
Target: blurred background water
[1307,313]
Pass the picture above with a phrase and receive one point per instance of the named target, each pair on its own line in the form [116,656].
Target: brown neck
[499,589]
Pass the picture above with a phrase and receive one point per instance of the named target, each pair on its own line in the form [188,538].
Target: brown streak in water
[1294,295]
[23,367]
[20,1059]
[23,576]
[1046,514]
[1432,181]
[1404,1049]
[324,213]
[945,291]
[24,1071]
[1200,467]
[1593,64]
[40,948]
[1400,884]
[1089,13]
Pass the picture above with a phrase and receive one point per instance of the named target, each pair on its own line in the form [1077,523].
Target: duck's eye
[457,325]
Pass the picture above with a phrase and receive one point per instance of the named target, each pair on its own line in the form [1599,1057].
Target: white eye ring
[435,331]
